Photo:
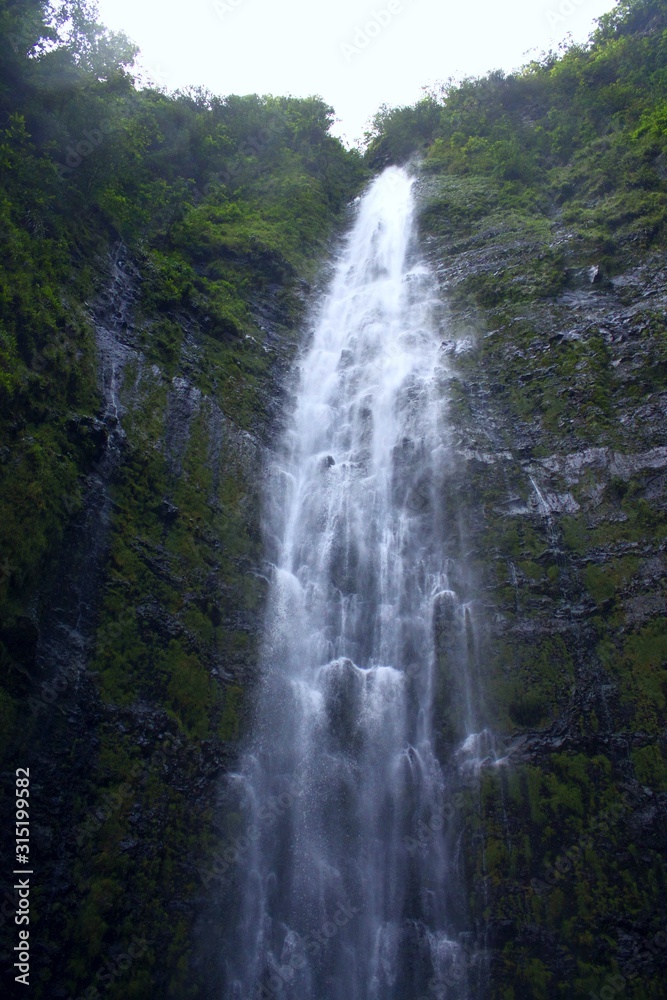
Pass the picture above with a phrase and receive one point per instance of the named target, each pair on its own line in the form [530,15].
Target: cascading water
[340,781]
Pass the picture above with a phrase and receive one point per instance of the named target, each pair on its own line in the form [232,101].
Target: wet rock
[168,511]
[21,640]
[568,389]
[90,434]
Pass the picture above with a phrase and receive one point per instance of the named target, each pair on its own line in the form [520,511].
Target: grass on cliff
[574,143]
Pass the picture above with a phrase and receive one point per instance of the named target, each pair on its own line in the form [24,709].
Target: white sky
[298,46]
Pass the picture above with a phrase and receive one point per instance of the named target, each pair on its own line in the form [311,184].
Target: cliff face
[136,654]
[543,212]
[153,274]
[558,405]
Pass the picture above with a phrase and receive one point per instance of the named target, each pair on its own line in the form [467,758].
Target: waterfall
[342,872]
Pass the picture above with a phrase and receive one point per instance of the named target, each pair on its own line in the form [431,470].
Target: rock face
[559,408]
[138,651]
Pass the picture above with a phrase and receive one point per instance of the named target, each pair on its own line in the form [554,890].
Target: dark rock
[21,640]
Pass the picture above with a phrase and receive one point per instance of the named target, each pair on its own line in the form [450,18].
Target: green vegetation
[550,832]
[219,200]
[575,138]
